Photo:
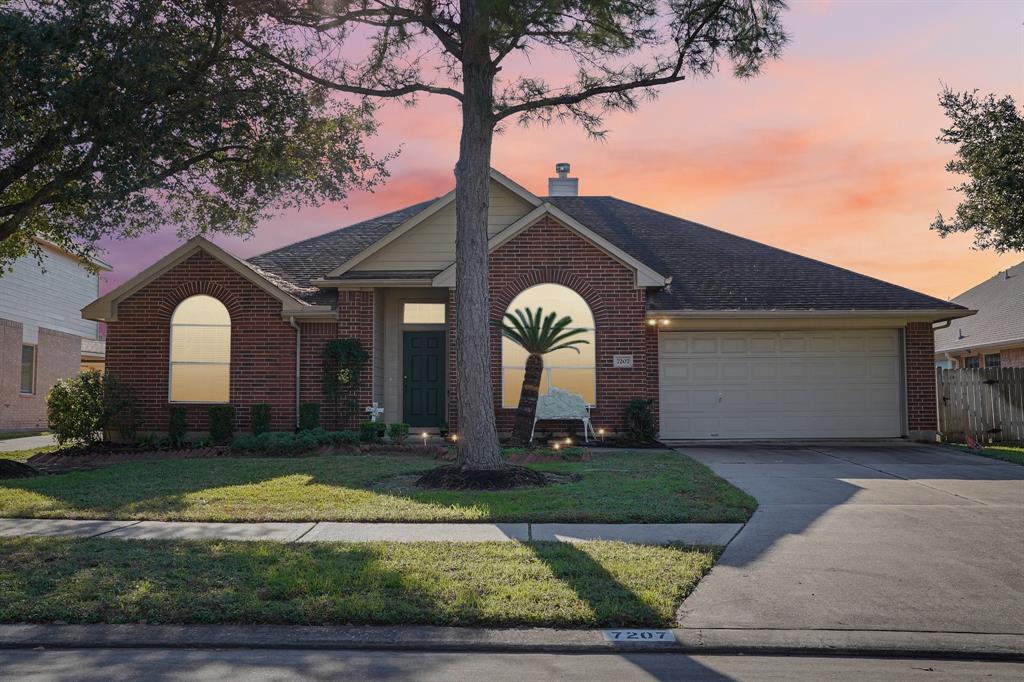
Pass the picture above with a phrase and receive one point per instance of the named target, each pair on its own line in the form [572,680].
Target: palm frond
[539,333]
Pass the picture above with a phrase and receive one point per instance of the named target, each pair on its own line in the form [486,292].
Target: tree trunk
[528,399]
[478,442]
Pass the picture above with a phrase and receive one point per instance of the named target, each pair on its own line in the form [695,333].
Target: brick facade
[58,356]
[548,252]
[262,345]
[355,321]
[1012,357]
[922,416]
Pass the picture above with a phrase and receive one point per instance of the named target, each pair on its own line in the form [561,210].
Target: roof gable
[104,309]
[999,301]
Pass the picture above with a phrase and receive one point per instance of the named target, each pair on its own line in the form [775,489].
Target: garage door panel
[821,384]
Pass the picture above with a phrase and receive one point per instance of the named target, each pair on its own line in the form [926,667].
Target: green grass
[619,487]
[8,435]
[493,584]
[23,455]
[1003,452]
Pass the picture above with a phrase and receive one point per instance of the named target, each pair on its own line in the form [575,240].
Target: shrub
[309,416]
[372,432]
[176,426]
[75,409]
[398,432]
[640,420]
[222,419]
[259,418]
[120,409]
[283,443]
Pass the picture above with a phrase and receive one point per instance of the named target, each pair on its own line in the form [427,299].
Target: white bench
[563,406]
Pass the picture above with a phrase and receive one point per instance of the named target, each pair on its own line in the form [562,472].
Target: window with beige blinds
[200,351]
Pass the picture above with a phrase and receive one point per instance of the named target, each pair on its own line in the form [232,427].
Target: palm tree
[537,337]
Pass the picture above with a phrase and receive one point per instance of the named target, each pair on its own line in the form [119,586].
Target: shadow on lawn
[374,488]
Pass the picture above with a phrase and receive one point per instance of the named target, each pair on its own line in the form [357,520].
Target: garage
[780,384]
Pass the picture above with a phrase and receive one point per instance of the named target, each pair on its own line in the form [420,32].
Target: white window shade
[200,351]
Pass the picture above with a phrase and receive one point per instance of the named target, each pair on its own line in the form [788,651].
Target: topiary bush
[222,428]
[372,432]
[309,416]
[176,426]
[398,432]
[639,415]
[259,418]
[75,409]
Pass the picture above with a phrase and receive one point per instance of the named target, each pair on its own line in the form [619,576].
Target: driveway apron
[868,536]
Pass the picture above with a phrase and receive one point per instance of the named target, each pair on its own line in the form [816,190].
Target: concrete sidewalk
[26,443]
[329,531]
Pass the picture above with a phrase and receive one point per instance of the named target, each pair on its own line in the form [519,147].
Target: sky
[830,152]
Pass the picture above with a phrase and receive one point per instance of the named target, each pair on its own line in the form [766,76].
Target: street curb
[887,644]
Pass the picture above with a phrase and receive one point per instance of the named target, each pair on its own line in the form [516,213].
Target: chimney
[563,185]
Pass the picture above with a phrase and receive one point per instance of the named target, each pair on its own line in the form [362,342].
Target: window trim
[170,355]
[502,366]
[35,369]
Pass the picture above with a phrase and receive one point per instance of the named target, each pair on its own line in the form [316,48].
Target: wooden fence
[987,404]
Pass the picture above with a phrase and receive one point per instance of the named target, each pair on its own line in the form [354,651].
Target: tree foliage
[120,116]
[989,137]
[479,52]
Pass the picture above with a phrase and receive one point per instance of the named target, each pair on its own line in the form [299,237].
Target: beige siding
[431,244]
[48,297]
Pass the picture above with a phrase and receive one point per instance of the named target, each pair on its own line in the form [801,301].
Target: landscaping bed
[619,487]
[506,584]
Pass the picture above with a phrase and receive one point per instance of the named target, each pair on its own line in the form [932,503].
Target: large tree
[120,116]
[989,138]
[475,52]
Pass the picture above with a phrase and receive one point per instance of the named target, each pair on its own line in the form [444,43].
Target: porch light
[664,322]
[652,322]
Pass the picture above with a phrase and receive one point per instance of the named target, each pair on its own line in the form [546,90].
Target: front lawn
[493,584]
[1004,452]
[614,488]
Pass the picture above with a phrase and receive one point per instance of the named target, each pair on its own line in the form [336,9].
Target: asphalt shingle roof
[710,269]
[999,301]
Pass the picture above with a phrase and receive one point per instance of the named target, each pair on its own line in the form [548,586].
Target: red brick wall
[1012,357]
[922,418]
[355,320]
[262,344]
[548,252]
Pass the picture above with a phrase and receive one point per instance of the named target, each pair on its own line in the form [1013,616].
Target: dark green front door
[423,361]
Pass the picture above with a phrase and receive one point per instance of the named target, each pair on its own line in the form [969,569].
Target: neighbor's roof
[709,269]
[999,301]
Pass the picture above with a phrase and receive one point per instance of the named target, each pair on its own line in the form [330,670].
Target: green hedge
[259,418]
[176,425]
[309,416]
[222,428]
[283,442]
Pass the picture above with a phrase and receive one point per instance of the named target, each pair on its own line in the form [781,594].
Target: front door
[423,361]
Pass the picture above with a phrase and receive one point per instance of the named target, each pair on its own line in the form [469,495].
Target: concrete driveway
[882,536]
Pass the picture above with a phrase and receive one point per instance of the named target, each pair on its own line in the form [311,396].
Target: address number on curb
[639,636]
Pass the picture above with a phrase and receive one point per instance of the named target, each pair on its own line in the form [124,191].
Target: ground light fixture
[424,435]
[600,434]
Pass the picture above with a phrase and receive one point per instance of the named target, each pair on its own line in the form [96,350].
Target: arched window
[565,369]
[200,351]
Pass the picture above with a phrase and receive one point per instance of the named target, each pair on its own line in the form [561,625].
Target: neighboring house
[43,336]
[729,337]
[994,337]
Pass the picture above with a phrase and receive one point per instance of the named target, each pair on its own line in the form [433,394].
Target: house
[43,337]
[994,337]
[729,337]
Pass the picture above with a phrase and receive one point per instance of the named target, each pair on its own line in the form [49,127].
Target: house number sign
[622,361]
[640,636]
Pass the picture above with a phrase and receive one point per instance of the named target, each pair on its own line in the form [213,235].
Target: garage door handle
[719,397]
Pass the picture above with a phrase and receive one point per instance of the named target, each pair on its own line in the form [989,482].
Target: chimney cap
[562,168]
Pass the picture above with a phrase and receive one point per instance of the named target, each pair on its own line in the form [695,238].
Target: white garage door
[799,384]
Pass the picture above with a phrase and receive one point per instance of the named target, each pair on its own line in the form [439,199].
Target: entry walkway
[330,531]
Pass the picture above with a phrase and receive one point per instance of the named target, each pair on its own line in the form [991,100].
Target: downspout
[945,324]
[298,365]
